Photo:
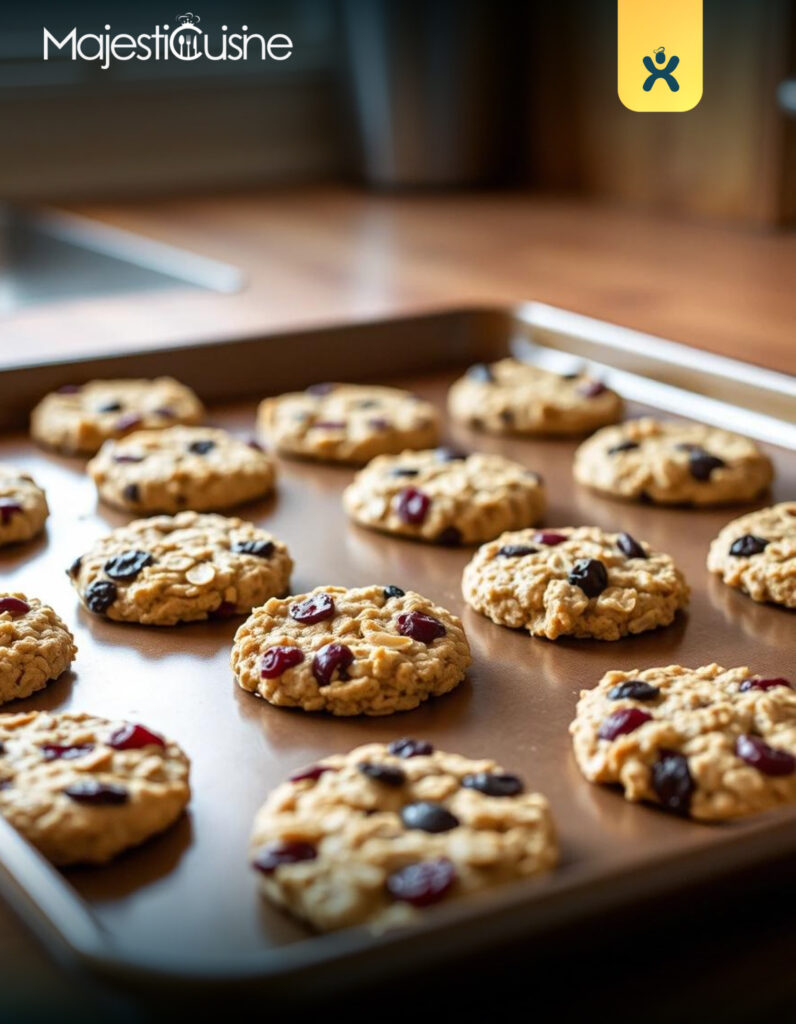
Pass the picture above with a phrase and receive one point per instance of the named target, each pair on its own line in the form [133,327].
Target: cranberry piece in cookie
[8,509]
[14,606]
[424,628]
[549,538]
[311,773]
[313,609]
[623,721]
[756,683]
[132,736]
[277,660]
[422,883]
[283,852]
[412,505]
[330,661]
[769,760]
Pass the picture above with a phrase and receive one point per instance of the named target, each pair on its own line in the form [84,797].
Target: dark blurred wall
[535,84]
[732,157]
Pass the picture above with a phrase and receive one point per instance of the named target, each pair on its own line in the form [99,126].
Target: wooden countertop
[321,255]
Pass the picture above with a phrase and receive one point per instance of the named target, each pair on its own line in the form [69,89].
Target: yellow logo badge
[659,51]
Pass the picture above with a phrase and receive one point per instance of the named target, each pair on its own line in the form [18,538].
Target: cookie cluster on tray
[375,835]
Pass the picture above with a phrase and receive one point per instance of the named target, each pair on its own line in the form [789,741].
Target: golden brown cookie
[183,568]
[363,651]
[23,506]
[711,742]
[672,463]
[197,468]
[76,419]
[574,581]
[445,497]
[757,554]
[512,397]
[372,836]
[348,423]
[36,646]
[82,789]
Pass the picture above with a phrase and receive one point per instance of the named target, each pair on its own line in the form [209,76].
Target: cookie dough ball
[83,789]
[76,419]
[182,568]
[364,651]
[35,646]
[672,464]
[373,836]
[708,742]
[349,423]
[23,506]
[511,397]
[574,581]
[180,468]
[757,554]
[445,497]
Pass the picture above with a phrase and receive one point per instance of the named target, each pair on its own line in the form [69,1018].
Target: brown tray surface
[189,894]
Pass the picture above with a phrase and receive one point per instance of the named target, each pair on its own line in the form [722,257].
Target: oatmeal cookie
[371,836]
[35,646]
[368,651]
[672,464]
[711,742]
[182,568]
[76,420]
[511,397]
[23,506]
[574,581]
[757,554]
[179,468]
[82,789]
[445,497]
[348,423]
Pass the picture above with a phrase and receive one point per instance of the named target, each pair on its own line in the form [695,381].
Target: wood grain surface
[329,255]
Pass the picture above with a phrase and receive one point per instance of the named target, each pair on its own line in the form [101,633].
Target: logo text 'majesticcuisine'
[184,41]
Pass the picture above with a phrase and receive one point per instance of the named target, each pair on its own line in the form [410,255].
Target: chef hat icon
[189,18]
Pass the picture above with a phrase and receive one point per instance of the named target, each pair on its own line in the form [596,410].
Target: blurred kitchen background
[428,115]
[403,93]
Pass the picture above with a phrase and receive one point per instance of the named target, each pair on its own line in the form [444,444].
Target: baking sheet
[186,903]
